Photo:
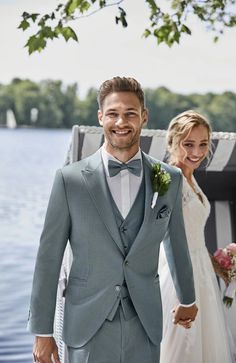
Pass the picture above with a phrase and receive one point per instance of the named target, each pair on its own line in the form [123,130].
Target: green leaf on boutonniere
[160,179]
[228,301]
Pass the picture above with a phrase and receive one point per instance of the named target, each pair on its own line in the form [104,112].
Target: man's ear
[100,117]
[145,117]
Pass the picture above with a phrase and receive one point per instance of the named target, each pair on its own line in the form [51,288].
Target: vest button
[117,287]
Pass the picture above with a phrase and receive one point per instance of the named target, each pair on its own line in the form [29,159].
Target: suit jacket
[79,210]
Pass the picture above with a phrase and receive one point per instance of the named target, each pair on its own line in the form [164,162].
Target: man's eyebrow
[116,109]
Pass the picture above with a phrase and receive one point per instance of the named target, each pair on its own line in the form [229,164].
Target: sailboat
[10,120]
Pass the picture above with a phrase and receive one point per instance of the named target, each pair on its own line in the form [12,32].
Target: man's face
[122,118]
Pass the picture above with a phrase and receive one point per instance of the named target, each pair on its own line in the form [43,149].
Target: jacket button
[126,263]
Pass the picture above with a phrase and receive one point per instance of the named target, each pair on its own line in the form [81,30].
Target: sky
[106,50]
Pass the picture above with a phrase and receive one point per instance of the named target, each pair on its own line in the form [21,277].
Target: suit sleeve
[49,258]
[177,252]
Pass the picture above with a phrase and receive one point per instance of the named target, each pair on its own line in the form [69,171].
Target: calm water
[28,160]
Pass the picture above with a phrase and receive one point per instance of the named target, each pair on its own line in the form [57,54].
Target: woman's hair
[180,126]
[120,84]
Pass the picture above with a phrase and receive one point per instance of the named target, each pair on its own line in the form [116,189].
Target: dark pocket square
[163,212]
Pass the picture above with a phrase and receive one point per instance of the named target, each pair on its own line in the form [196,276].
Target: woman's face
[193,149]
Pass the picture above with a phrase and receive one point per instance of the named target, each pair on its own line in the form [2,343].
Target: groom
[102,205]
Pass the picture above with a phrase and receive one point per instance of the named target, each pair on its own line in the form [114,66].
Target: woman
[188,142]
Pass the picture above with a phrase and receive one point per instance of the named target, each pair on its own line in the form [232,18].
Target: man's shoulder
[76,167]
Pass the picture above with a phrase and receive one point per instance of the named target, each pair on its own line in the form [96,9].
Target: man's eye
[112,115]
[131,114]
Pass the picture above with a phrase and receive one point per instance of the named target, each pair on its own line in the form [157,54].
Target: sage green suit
[79,211]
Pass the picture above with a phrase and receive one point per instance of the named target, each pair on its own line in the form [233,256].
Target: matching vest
[128,228]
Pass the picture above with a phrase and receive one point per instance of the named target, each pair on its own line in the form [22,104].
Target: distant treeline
[54,105]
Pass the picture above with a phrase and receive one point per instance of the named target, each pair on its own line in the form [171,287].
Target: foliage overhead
[166,26]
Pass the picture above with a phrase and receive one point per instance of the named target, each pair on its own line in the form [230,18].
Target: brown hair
[180,126]
[120,84]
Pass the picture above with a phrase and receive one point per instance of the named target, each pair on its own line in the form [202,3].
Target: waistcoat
[128,228]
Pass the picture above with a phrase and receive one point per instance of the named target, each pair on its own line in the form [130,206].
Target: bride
[188,142]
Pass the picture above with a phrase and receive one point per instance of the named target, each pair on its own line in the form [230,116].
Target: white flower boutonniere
[160,182]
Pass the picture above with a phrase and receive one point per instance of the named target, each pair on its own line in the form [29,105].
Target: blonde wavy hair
[180,127]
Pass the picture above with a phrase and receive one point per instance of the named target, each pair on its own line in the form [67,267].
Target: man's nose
[120,120]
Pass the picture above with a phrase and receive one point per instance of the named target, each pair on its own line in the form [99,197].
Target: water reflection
[28,160]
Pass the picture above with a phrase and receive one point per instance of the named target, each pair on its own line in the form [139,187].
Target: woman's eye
[188,145]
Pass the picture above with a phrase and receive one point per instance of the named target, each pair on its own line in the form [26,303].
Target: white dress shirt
[124,186]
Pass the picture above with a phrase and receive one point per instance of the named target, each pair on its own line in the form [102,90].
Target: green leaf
[72,5]
[176,37]
[34,17]
[185,29]
[47,32]
[59,7]
[146,33]
[24,25]
[25,15]
[102,3]
[152,5]
[35,43]
[68,33]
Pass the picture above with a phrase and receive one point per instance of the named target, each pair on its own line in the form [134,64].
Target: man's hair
[120,84]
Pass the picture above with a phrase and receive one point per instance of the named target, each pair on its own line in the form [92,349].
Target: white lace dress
[207,340]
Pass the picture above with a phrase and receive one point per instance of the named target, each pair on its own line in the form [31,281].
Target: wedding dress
[207,340]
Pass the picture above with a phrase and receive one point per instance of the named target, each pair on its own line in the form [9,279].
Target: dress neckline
[195,189]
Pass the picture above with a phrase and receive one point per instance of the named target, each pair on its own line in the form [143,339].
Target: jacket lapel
[96,184]
[149,213]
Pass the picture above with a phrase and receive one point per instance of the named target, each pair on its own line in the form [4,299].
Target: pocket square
[163,212]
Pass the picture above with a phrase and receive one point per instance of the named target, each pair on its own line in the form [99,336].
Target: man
[103,206]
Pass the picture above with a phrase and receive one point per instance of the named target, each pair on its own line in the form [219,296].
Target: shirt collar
[106,156]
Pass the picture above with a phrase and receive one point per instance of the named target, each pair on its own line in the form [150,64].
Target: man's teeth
[121,132]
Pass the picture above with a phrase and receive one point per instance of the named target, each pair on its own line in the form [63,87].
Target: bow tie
[134,166]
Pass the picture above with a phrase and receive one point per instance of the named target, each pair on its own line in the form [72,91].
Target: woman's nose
[197,152]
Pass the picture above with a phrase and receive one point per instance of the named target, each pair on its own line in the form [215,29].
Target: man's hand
[45,350]
[185,315]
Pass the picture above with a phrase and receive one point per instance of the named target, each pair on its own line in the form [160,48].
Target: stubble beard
[126,146]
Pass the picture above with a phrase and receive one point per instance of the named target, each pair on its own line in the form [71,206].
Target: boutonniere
[160,182]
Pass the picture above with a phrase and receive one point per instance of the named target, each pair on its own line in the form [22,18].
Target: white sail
[10,120]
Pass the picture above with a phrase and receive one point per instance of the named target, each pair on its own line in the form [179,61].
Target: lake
[28,161]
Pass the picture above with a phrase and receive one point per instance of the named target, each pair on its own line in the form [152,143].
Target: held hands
[45,350]
[184,315]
